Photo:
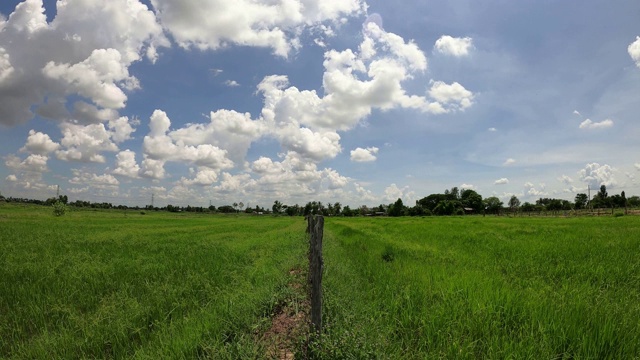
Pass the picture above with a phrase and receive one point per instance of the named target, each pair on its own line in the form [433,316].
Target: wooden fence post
[316,266]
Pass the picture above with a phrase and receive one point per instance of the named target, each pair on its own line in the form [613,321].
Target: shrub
[618,214]
[59,208]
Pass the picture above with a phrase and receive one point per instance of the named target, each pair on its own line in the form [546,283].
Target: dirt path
[290,321]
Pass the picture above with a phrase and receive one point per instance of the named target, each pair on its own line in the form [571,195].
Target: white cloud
[502,181]
[467,187]
[393,193]
[262,23]
[595,175]
[530,190]
[153,169]
[364,155]
[126,164]
[160,147]
[492,129]
[11,178]
[100,78]
[122,128]
[105,181]
[637,166]
[453,97]
[634,51]
[588,124]
[203,177]
[565,179]
[509,162]
[86,50]
[229,130]
[231,83]
[85,143]
[34,163]
[454,46]
[39,143]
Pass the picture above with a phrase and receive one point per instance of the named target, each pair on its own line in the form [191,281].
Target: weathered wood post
[315,227]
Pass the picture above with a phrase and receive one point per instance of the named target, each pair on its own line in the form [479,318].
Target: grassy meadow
[110,284]
[474,287]
[115,284]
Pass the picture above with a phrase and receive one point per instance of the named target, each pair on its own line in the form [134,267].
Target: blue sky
[299,100]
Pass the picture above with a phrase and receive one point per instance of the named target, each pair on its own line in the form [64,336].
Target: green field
[115,284]
[110,284]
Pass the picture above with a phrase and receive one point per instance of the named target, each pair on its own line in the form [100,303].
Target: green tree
[277,207]
[514,203]
[471,199]
[59,208]
[493,205]
[581,201]
[397,209]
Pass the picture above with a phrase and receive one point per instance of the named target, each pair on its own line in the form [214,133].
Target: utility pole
[589,196]
[152,198]
[58,192]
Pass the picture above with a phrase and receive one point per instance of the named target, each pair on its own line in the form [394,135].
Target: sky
[351,101]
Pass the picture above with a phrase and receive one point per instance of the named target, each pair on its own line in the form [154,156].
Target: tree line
[452,201]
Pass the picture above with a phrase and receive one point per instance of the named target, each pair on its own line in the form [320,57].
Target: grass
[114,284]
[110,284]
[477,287]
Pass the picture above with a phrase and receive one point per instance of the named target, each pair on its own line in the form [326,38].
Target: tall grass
[476,287]
[114,284]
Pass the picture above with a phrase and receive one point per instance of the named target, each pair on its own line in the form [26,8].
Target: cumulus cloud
[85,143]
[530,190]
[228,130]
[634,51]
[393,193]
[457,47]
[126,164]
[596,175]
[588,124]
[203,177]
[509,162]
[502,181]
[39,143]
[160,146]
[262,23]
[364,155]
[231,83]
[637,166]
[34,163]
[451,97]
[566,179]
[467,187]
[85,51]
[105,181]
[354,84]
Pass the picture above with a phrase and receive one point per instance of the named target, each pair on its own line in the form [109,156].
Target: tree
[277,207]
[337,208]
[528,207]
[235,206]
[240,205]
[471,199]
[493,205]
[581,201]
[59,208]
[346,211]
[603,192]
[397,209]
[514,203]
